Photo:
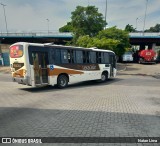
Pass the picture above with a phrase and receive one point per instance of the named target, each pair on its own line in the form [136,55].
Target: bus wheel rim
[62,82]
[103,77]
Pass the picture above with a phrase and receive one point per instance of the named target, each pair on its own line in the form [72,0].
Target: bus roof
[60,46]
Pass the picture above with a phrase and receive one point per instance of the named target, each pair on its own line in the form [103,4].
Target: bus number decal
[89,67]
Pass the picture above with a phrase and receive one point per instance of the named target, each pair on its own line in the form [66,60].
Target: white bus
[37,65]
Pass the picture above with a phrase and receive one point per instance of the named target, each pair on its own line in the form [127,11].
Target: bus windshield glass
[16,51]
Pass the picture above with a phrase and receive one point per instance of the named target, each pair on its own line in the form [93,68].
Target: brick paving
[128,106]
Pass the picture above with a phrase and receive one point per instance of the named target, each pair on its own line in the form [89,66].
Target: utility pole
[145,16]
[88,3]
[106,13]
[5,16]
[48,25]
[136,23]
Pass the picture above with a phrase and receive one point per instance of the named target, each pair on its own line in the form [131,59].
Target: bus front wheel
[104,77]
[62,81]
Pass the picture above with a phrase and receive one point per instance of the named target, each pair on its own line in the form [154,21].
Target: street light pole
[145,16]
[136,23]
[5,16]
[48,25]
[106,13]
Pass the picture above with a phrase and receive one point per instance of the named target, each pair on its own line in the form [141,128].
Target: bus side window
[74,56]
[85,57]
[92,57]
[52,56]
[79,56]
[64,56]
[57,56]
[106,58]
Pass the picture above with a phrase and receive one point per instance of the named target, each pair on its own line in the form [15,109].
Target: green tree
[130,28]
[84,41]
[66,28]
[113,39]
[101,43]
[118,35]
[85,21]
[107,44]
[156,28]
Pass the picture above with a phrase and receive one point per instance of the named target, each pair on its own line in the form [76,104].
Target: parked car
[127,57]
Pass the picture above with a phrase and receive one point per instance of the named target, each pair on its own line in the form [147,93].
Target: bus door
[112,60]
[40,61]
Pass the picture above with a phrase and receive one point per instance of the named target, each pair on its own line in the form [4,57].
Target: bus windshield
[16,51]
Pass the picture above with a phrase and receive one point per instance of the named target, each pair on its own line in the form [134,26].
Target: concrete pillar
[0,46]
[142,47]
[154,46]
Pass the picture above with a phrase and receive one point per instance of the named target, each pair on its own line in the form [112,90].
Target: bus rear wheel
[104,77]
[62,81]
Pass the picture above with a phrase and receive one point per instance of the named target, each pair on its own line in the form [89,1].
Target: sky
[32,15]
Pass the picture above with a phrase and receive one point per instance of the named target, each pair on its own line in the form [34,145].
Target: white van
[127,57]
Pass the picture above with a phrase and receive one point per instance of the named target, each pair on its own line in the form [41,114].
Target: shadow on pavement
[72,86]
[132,69]
[75,123]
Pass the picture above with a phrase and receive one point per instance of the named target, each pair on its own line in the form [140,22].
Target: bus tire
[62,81]
[104,76]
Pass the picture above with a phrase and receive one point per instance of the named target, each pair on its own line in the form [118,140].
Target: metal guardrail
[17,34]
[36,34]
[136,34]
[49,34]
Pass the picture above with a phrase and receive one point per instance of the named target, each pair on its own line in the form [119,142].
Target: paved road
[126,106]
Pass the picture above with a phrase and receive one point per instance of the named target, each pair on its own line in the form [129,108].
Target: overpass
[35,37]
[136,39]
[145,39]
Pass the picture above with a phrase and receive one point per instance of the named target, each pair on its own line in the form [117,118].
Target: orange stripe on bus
[57,71]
